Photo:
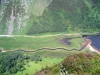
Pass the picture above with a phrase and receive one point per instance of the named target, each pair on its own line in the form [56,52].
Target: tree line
[12,62]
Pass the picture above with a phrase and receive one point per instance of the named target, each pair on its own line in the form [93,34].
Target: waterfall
[4,1]
[10,27]
[15,15]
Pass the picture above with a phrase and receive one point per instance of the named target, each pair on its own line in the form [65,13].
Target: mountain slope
[15,15]
[42,16]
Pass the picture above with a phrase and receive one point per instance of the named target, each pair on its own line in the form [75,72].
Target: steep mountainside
[41,16]
[15,14]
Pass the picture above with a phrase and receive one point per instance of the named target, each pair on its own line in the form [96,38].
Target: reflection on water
[95,41]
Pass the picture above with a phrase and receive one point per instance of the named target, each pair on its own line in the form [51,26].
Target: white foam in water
[10,27]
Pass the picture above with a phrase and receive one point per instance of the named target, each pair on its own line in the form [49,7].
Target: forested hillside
[42,16]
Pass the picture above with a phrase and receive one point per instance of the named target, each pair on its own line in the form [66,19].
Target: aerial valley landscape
[49,37]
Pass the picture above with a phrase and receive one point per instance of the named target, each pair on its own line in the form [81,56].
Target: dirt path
[41,36]
[40,49]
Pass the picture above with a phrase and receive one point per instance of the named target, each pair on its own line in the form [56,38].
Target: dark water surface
[95,41]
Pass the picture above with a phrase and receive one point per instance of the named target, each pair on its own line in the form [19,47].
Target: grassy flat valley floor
[66,44]
[32,43]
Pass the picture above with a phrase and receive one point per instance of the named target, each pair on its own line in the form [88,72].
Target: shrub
[78,62]
[55,70]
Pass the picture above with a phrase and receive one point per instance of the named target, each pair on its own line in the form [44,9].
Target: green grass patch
[33,43]
[34,67]
[56,53]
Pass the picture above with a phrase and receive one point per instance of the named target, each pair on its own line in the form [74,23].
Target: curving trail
[87,43]
[42,36]
[40,49]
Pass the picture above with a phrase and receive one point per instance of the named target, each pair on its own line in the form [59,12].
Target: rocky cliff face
[40,16]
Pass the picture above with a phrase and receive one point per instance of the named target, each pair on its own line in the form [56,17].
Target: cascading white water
[15,15]
[10,27]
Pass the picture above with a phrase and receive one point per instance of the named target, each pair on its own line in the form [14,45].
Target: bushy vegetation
[52,70]
[16,63]
[76,64]
[13,62]
[82,63]
[56,70]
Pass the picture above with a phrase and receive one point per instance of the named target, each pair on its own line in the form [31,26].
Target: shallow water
[95,41]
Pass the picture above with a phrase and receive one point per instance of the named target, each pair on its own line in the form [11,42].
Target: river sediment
[93,49]
[88,43]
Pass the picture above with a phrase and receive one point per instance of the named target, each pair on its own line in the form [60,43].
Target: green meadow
[33,67]
[36,42]
[49,57]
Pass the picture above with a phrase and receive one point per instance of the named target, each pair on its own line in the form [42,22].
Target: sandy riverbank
[90,47]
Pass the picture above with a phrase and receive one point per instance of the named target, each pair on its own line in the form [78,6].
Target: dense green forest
[13,62]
